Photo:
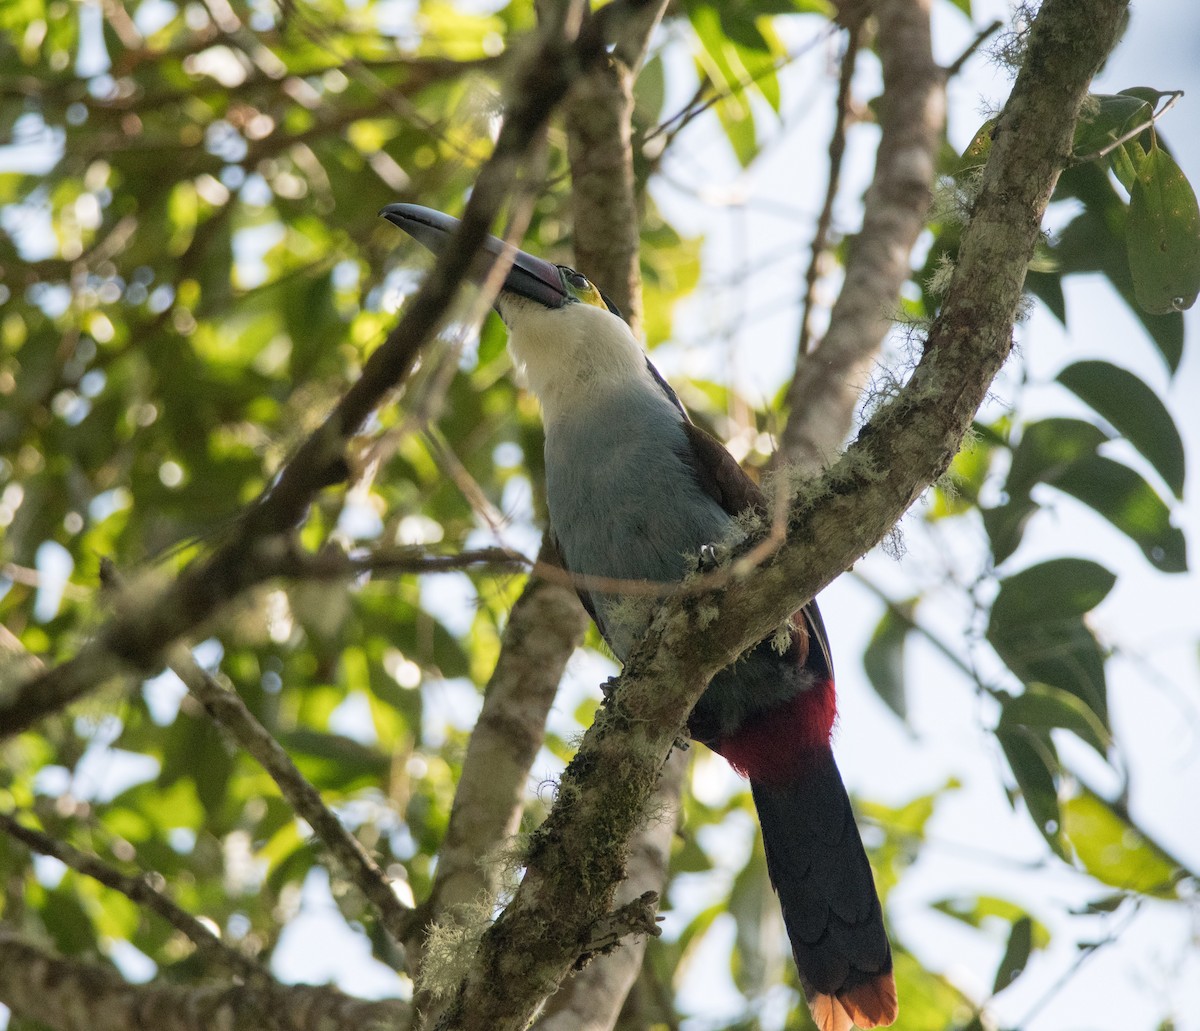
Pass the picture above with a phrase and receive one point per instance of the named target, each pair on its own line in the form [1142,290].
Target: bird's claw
[709,559]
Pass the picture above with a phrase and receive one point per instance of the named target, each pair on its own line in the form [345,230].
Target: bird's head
[562,331]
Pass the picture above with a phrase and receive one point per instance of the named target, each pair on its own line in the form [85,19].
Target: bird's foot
[709,558]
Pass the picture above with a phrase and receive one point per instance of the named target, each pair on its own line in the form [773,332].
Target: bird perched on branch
[637,492]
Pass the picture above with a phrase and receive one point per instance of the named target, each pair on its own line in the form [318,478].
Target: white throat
[573,354]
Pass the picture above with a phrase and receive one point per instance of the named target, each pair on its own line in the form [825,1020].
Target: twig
[1086,952]
[333,564]
[1135,131]
[140,889]
[981,36]
[229,712]
[837,149]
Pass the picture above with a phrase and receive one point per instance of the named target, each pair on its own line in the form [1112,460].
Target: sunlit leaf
[1043,707]
[1112,851]
[1127,501]
[982,911]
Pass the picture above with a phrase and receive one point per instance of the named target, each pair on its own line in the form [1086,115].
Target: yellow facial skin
[580,287]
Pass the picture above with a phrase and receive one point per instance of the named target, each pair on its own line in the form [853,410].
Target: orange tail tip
[872,1004]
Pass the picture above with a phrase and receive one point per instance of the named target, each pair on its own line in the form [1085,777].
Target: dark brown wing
[719,475]
[723,480]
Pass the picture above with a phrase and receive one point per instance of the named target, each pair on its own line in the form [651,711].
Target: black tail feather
[830,907]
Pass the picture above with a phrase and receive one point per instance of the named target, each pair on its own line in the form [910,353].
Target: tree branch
[593,998]
[226,709]
[70,995]
[140,889]
[598,114]
[544,628]
[906,445]
[828,382]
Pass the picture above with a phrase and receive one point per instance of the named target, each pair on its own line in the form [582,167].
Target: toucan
[638,492]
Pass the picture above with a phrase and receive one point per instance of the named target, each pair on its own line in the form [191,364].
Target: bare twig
[333,564]
[1137,130]
[141,889]
[229,712]
[837,148]
[981,37]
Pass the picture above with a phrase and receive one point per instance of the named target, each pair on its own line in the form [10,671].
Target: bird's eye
[578,281]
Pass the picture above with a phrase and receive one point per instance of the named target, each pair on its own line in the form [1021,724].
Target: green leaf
[1016,954]
[1112,850]
[1135,411]
[1005,526]
[1047,448]
[975,154]
[66,921]
[883,660]
[1034,763]
[738,122]
[1147,94]
[980,910]
[335,762]
[754,907]
[1063,587]
[1124,161]
[649,91]
[1043,707]
[1106,118]
[1037,628]
[1047,287]
[720,61]
[1127,501]
[1096,242]
[1163,236]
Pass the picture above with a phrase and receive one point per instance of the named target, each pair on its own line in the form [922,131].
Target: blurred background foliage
[192,270]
